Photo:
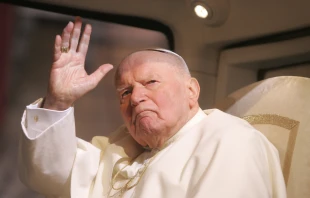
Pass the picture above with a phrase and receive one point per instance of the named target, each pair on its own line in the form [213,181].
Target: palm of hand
[68,78]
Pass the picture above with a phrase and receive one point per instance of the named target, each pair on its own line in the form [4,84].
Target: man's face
[153,100]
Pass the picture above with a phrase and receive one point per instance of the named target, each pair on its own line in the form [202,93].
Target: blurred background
[240,43]
[27,42]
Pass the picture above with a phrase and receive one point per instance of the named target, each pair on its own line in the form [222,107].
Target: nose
[137,96]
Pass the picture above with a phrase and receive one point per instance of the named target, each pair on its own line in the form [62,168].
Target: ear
[193,91]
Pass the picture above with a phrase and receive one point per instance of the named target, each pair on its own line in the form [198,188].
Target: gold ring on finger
[64,49]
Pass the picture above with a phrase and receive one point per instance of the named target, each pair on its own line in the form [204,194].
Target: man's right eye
[125,93]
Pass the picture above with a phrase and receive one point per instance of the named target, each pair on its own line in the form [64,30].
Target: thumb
[97,75]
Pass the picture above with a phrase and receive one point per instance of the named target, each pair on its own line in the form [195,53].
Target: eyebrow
[122,88]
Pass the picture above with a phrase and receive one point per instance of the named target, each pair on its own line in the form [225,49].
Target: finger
[57,48]
[83,46]
[95,77]
[66,34]
[75,34]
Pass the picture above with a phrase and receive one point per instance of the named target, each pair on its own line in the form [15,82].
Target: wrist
[52,104]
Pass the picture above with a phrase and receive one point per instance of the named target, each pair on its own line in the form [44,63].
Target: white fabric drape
[214,155]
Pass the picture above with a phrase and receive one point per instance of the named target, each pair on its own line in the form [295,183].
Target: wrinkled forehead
[148,56]
[143,57]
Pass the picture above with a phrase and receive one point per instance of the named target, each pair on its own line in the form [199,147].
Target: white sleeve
[50,153]
[38,120]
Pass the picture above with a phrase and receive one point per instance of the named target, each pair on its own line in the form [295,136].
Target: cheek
[164,99]
[168,104]
[126,112]
[173,102]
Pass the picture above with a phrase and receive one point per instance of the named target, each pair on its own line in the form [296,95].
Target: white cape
[215,156]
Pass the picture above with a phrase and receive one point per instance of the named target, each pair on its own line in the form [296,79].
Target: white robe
[215,155]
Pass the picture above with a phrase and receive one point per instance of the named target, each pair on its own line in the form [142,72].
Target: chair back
[280,108]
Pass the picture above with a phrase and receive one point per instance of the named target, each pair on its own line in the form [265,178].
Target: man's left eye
[151,81]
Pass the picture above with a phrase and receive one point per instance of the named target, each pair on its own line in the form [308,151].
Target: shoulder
[224,140]
[232,130]
[224,122]
[225,119]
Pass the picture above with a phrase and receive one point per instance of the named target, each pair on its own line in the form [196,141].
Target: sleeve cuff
[38,120]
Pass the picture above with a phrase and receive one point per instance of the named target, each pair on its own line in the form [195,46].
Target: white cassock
[214,155]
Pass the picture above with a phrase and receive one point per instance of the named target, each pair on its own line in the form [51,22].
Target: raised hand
[68,78]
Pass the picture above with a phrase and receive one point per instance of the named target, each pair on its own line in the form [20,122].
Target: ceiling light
[211,12]
[201,11]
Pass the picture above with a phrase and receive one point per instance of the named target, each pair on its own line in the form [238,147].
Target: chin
[146,125]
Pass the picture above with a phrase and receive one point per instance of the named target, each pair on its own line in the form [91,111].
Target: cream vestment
[214,155]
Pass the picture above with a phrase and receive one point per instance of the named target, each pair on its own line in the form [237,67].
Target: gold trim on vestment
[284,122]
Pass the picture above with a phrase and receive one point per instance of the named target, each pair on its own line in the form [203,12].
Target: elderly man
[168,147]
